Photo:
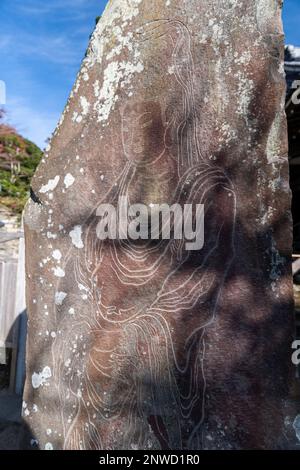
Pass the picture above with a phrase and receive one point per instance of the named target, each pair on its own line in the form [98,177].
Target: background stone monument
[143,345]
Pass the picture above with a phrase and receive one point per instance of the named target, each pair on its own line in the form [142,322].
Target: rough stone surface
[147,346]
[9,249]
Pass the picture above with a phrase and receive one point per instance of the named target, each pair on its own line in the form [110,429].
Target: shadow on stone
[14,432]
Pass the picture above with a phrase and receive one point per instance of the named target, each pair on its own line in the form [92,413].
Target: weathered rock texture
[144,345]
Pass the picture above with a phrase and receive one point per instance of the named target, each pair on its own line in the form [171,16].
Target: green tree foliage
[18,161]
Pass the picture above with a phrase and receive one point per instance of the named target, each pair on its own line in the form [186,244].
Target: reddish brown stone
[139,345]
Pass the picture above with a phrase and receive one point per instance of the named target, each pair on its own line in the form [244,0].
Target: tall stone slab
[143,344]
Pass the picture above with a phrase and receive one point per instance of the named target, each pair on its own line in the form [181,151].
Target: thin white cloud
[33,124]
[31,49]
[59,45]
[56,49]
[67,8]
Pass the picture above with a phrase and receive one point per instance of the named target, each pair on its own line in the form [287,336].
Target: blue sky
[291,21]
[41,46]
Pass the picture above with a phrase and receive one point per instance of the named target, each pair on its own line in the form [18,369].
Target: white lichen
[76,235]
[60,297]
[85,105]
[56,255]
[51,235]
[122,11]
[59,272]
[50,186]
[49,446]
[39,379]
[69,180]
[116,74]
